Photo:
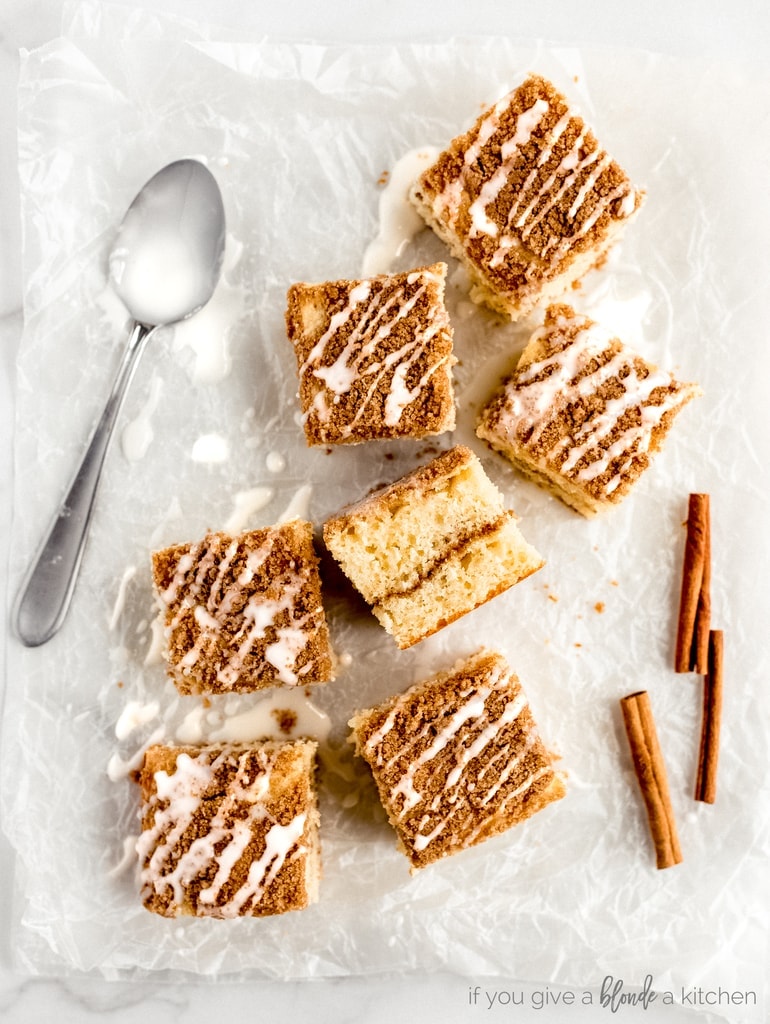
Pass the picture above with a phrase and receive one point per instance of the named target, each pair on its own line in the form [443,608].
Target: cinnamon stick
[699,655]
[706,781]
[651,775]
[695,600]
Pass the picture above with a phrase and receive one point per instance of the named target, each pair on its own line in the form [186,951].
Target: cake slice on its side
[526,199]
[242,613]
[582,414]
[374,357]
[431,547]
[229,831]
[457,758]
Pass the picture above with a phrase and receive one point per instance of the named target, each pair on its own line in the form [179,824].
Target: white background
[740,30]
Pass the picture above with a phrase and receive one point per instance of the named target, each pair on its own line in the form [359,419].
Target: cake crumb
[120,685]
[614,583]
[553,597]
[286,719]
[599,607]
[383,178]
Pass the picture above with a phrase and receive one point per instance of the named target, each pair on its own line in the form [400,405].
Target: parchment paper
[298,136]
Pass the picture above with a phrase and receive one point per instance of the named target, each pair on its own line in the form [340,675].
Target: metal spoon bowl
[164,265]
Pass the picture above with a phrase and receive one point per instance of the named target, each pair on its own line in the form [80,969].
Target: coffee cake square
[526,199]
[243,613]
[431,547]
[583,414]
[374,357]
[457,758]
[229,831]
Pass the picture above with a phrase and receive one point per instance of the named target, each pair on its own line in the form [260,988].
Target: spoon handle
[47,591]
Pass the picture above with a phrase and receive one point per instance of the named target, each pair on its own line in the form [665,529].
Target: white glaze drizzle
[449,200]
[245,504]
[118,768]
[526,123]
[514,794]
[134,715]
[120,601]
[299,505]
[399,222]
[264,720]
[210,448]
[137,434]
[275,462]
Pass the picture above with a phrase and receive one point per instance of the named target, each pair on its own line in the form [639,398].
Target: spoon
[164,265]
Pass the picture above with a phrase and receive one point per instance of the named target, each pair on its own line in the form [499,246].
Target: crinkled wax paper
[298,136]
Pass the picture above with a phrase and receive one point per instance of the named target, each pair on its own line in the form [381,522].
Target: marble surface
[691,27]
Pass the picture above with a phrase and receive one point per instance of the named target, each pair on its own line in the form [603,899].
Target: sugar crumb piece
[286,719]
[599,607]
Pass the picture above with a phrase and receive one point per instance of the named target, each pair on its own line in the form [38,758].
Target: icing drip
[537,396]
[182,793]
[178,798]
[374,318]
